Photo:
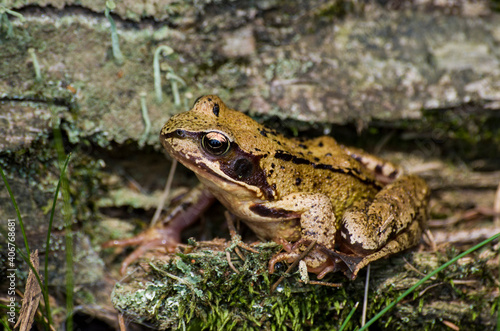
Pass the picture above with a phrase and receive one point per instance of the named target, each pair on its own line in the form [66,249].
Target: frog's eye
[215,143]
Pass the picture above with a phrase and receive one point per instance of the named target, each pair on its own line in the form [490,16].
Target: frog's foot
[292,252]
[287,246]
[317,261]
[350,264]
[321,271]
[328,265]
[152,238]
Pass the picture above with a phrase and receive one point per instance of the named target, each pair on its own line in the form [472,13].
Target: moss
[199,289]
[336,9]
[495,5]
[469,131]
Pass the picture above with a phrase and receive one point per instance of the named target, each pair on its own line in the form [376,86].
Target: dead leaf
[32,295]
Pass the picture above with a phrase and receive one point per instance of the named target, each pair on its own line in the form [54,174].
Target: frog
[355,207]
[352,207]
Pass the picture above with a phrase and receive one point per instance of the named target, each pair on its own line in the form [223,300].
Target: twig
[231,265]
[179,279]
[365,299]
[430,239]
[32,295]
[165,194]
[121,323]
[451,325]
[496,207]
[415,269]
[235,237]
[465,236]
[317,282]
[429,287]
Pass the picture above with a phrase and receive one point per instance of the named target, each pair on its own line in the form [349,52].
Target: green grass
[423,280]
[25,257]
[64,161]
[67,214]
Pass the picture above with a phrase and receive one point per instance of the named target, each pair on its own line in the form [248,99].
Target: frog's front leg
[317,223]
[392,222]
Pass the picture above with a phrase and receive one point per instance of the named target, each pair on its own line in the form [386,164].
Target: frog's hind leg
[392,222]
[404,241]
[385,171]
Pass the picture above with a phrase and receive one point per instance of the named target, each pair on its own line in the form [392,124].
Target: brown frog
[357,208]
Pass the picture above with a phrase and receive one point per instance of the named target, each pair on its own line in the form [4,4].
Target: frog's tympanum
[356,207]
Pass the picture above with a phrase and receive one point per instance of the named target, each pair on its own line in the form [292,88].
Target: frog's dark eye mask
[235,163]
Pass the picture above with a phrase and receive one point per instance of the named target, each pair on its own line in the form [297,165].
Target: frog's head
[218,144]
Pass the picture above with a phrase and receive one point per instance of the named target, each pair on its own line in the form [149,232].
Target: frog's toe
[324,269]
[280,257]
[287,246]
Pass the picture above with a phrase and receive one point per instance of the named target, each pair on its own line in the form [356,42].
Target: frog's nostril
[180,133]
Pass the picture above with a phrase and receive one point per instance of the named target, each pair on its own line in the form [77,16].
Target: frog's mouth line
[209,177]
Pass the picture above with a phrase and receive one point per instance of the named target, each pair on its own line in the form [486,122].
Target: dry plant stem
[231,265]
[451,325]
[496,207]
[180,280]
[238,252]
[365,299]
[473,214]
[165,194]
[293,265]
[317,282]
[415,269]
[430,239]
[429,287]
[235,237]
[121,323]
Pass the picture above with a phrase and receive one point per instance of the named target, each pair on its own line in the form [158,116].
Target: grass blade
[67,213]
[26,257]
[348,318]
[19,218]
[423,280]
[47,245]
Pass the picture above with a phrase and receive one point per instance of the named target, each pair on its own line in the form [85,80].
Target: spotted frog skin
[355,207]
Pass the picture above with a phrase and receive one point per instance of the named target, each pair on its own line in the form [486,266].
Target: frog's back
[318,165]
